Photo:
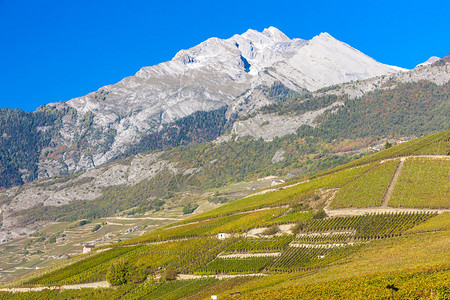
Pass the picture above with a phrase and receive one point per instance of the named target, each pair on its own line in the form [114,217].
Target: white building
[87,248]
[222,236]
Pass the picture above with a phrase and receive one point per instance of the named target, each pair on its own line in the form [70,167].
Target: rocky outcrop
[269,126]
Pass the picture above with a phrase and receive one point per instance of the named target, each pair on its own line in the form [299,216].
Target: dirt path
[92,285]
[218,276]
[248,255]
[144,218]
[345,212]
[320,246]
[391,187]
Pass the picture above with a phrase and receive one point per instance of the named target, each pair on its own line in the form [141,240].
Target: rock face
[268,126]
[325,61]
[216,73]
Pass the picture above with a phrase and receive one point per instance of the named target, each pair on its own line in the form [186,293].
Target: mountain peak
[213,74]
[325,35]
[429,61]
[275,33]
[270,35]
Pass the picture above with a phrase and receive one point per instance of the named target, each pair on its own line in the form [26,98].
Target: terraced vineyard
[261,244]
[423,183]
[306,257]
[370,226]
[236,265]
[185,256]
[369,189]
[236,223]
[325,238]
[294,237]
[418,283]
[291,217]
[173,290]
[88,270]
[220,286]
[439,223]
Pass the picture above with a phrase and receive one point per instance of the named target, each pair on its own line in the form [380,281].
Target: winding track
[98,284]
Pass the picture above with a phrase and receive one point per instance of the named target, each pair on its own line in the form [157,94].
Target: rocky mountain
[434,71]
[216,73]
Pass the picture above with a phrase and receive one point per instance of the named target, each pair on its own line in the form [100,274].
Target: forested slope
[22,137]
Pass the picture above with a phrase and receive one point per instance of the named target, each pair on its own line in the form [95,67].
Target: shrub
[271,230]
[298,227]
[189,209]
[117,272]
[320,214]
[83,222]
[171,274]
[135,275]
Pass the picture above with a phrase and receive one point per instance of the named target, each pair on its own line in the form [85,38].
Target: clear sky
[52,50]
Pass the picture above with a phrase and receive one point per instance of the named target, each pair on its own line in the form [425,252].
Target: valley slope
[351,231]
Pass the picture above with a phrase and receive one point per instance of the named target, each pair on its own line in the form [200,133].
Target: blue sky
[58,50]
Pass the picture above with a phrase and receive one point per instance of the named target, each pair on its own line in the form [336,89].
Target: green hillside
[382,220]
[402,109]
